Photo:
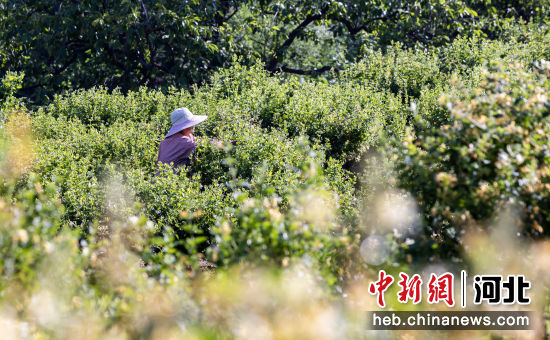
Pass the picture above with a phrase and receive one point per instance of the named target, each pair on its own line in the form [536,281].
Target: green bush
[494,152]
[403,72]
[11,83]
[91,235]
[176,202]
[86,137]
[82,146]
[265,230]
[31,220]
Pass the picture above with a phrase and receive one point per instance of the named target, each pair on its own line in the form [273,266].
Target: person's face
[188,131]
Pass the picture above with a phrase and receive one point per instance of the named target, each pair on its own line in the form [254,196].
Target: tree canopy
[61,45]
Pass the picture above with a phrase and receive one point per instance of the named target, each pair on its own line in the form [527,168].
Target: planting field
[301,189]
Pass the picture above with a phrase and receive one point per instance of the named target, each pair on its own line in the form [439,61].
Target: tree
[64,44]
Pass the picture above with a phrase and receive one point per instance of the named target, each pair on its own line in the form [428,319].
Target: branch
[144,11]
[114,81]
[272,64]
[147,29]
[352,30]
[227,11]
[58,70]
[162,67]
[147,67]
[111,52]
[235,10]
[355,29]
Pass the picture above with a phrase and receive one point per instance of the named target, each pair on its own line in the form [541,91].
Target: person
[179,143]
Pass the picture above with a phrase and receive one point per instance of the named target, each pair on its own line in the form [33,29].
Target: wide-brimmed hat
[182,119]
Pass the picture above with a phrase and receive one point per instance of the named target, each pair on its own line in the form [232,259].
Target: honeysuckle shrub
[79,155]
[89,235]
[50,273]
[10,83]
[261,233]
[534,41]
[266,126]
[31,225]
[179,205]
[493,153]
[467,54]
[30,219]
[307,223]
[98,107]
[258,119]
[83,156]
[84,132]
[403,72]
[345,118]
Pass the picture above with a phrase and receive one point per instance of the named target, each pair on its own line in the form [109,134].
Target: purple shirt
[176,149]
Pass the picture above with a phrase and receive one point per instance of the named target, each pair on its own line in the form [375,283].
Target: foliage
[62,45]
[11,83]
[265,230]
[492,153]
[30,220]
[291,180]
[89,138]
